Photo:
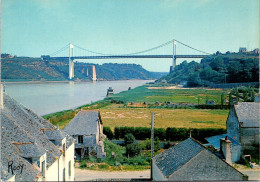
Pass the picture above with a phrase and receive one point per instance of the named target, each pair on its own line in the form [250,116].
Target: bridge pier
[94,74]
[173,56]
[71,63]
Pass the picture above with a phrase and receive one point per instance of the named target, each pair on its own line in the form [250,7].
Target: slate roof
[29,150]
[215,140]
[55,134]
[248,114]
[84,123]
[22,136]
[172,159]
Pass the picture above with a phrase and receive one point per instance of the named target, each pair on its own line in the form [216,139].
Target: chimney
[225,148]
[2,95]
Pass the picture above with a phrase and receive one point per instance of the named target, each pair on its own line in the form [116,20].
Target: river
[48,97]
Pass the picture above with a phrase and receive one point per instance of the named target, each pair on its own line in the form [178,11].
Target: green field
[147,94]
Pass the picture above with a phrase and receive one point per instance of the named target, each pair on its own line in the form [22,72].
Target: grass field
[146,94]
[113,116]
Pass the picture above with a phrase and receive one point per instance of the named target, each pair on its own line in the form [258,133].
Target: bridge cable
[191,47]
[60,50]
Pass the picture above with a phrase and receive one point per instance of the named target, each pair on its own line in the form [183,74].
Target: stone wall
[233,126]
[249,139]
[157,174]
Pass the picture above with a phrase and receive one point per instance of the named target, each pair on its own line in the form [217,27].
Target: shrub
[132,149]
[108,132]
[129,139]
[170,134]
[146,145]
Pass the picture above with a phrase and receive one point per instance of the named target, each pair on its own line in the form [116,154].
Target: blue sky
[37,27]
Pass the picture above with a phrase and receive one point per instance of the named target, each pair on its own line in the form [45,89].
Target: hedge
[170,134]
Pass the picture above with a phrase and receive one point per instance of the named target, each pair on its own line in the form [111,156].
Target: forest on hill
[216,69]
[34,69]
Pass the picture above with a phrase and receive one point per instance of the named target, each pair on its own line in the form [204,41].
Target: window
[43,168]
[64,174]
[80,139]
[53,141]
[29,160]
[69,168]
[64,149]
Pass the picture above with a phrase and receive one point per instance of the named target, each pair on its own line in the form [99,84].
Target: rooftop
[248,114]
[172,159]
[84,123]
[23,137]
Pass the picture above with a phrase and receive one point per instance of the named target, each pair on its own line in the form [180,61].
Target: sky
[41,27]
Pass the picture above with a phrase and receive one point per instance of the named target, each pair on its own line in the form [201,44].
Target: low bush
[170,134]
[108,132]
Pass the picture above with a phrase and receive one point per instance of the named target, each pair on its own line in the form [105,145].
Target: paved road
[84,175]
[252,174]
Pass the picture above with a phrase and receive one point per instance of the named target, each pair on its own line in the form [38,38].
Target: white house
[32,149]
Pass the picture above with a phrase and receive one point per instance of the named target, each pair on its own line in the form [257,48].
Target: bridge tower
[94,74]
[71,63]
[173,56]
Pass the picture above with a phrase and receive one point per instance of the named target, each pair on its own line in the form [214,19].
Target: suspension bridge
[73,52]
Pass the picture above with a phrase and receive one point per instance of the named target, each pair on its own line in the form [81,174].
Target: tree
[129,139]
[222,99]
[133,149]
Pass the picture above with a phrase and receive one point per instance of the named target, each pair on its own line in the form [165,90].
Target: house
[163,81]
[256,51]
[87,129]
[110,91]
[190,160]
[210,102]
[32,149]
[242,49]
[242,130]
[5,55]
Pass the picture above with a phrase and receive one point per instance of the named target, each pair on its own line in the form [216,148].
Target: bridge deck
[131,56]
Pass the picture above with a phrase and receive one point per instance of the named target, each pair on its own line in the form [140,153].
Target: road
[252,174]
[85,175]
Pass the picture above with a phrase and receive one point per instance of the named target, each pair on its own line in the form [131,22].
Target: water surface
[48,97]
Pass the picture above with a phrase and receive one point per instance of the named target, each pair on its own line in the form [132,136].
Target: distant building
[164,81]
[87,129]
[183,83]
[43,152]
[5,55]
[190,160]
[256,51]
[242,49]
[210,102]
[242,130]
[110,91]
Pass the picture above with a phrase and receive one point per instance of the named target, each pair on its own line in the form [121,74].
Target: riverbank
[132,108]
[66,81]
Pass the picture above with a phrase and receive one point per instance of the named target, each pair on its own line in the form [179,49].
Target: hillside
[220,68]
[28,69]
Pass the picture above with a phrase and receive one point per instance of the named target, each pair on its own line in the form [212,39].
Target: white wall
[55,171]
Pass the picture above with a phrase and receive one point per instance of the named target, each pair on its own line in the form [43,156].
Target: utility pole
[152,144]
